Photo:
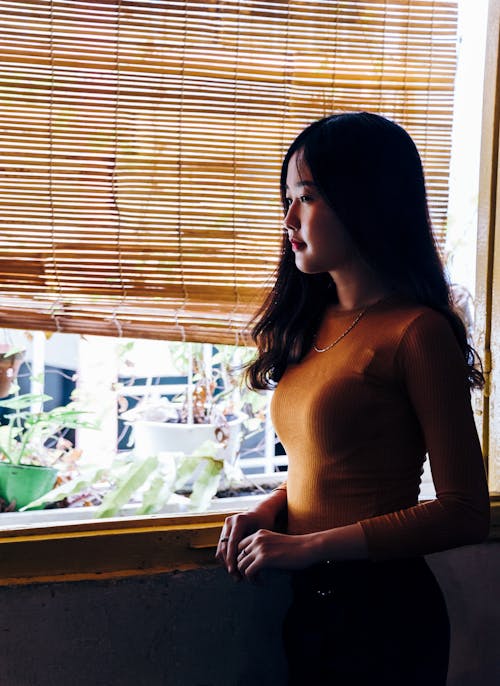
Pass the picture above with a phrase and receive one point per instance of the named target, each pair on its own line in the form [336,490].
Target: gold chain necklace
[337,340]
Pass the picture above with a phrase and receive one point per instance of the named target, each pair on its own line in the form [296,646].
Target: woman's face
[319,240]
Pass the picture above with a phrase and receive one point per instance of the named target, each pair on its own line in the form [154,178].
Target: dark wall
[199,628]
[196,628]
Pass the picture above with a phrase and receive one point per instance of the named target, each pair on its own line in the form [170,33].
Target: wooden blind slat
[141,146]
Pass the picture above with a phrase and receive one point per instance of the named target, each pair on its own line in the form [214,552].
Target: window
[143,143]
[149,396]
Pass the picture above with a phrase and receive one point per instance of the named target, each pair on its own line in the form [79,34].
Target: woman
[373,371]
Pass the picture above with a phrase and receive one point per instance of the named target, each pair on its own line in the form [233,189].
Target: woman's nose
[291,220]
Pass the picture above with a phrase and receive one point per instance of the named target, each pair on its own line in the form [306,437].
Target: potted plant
[139,486]
[33,449]
[210,408]
[185,444]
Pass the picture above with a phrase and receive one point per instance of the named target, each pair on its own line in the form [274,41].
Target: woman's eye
[302,198]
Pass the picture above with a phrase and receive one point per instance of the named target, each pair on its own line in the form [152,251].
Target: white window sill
[12,521]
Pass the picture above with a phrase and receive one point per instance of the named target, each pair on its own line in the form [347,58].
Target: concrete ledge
[199,628]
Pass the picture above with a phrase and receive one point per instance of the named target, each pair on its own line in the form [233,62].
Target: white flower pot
[152,438]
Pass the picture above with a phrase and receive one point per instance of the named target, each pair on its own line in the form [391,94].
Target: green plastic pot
[24,483]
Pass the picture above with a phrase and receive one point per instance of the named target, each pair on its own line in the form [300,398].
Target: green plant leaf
[33,429]
[133,479]
[67,418]
[206,449]
[161,486]
[26,400]
[13,350]
[205,486]
[155,497]
[186,467]
[7,435]
[125,348]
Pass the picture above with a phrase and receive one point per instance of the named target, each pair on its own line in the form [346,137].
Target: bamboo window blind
[141,142]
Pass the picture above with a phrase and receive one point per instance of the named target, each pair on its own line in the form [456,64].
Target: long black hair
[369,171]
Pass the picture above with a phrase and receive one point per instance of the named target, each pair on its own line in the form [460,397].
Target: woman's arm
[431,369]
[268,549]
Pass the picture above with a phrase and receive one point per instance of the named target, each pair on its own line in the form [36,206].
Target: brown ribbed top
[356,423]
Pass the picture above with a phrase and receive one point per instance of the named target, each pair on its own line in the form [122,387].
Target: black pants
[368,624]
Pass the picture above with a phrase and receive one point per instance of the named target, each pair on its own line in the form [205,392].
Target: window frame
[113,548]
[488,257]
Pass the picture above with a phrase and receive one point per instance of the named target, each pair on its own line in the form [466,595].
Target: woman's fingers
[246,541]
[221,552]
[235,528]
[240,526]
[262,549]
[247,564]
[242,545]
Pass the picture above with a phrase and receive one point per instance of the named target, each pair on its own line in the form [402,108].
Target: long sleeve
[431,369]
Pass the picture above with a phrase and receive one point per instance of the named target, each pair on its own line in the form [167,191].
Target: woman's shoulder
[409,317]
[396,322]
[423,338]
[411,329]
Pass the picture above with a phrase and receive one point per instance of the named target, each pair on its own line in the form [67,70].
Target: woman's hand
[236,528]
[268,549]
[247,546]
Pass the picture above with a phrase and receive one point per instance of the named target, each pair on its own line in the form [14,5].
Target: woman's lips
[297,245]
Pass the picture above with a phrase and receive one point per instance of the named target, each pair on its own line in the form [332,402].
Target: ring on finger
[224,539]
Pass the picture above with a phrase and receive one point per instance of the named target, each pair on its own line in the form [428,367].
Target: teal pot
[24,483]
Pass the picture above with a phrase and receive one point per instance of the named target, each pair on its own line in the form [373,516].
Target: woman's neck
[362,289]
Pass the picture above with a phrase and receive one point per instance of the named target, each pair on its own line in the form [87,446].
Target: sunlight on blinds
[141,143]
